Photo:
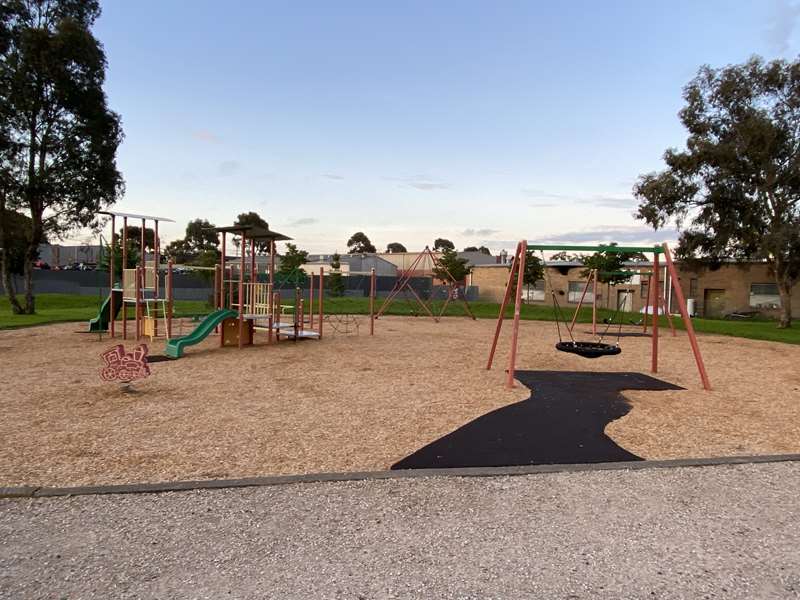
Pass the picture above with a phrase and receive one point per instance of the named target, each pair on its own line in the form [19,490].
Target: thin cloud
[333,176]
[537,193]
[542,204]
[420,182]
[609,202]
[228,167]
[479,232]
[782,25]
[303,221]
[204,135]
[606,234]
[549,199]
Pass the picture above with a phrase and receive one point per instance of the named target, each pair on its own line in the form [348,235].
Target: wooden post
[142,261]
[138,307]
[310,303]
[170,298]
[512,359]
[276,307]
[506,297]
[222,273]
[156,259]
[647,302]
[111,264]
[321,295]
[242,267]
[687,321]
[372,282]
[124,249]
[656,296]
[594,304]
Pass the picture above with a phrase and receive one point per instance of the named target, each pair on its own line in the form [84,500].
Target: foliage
[450,268]
[359,244]
[291,262]
[482,250]
[253,219]
[199,247]
[735,190]
[135,237]
[200,236]
[440,244]
[395,247]
[15,241]
[58,139]
[534,269]
[335,281]
[132,257]
[608,264]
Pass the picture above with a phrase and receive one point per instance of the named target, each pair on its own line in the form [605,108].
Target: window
[535,292]
[576,290]
[764,295]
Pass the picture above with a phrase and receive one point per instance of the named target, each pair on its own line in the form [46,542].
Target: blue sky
[483,122]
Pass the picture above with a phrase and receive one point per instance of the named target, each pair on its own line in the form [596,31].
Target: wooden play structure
[595,349]
[424,263]
[141,288]
[257,303]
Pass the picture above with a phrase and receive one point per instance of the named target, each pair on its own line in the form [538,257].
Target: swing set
[595,349]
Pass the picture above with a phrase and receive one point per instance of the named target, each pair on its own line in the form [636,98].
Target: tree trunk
[785,291]
[5,267]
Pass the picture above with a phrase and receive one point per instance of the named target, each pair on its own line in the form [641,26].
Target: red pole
[512,359]
[656,296]
[141,248]
[501,316]
[222,273]
[311,303]
[276,307]
[111,266]
[321,295]
[698,358]
[372,302]
[594,304]
[170,300]
[137,311]
[156,257]
[242,267]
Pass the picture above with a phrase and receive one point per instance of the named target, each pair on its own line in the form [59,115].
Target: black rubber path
[562,422]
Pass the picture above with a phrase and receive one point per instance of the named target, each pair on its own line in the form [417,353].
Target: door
[625,300]
[713,303]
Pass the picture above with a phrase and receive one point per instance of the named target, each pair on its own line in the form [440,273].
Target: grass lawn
[59,308]
[53,308]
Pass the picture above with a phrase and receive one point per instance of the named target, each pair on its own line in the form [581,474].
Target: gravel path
[713,532]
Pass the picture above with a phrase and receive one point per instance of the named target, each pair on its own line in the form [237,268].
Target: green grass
[56,308]
[61,308]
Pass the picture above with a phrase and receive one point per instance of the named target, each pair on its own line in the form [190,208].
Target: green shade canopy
[610,249]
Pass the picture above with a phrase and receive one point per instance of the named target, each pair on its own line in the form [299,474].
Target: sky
[481,122]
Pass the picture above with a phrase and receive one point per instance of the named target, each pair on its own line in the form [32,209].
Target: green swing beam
[609,249]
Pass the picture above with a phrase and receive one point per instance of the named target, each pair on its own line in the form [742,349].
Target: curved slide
[176,345]
[103,318]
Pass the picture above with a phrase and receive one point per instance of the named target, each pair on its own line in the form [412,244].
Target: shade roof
[253,232]
[113,213]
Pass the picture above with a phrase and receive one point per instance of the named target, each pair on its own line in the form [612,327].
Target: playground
[361,402]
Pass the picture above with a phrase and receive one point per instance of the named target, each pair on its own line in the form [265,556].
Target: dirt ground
[353,402]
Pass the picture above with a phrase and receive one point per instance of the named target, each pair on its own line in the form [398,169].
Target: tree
[482,250]
[135,237]
[200,236]
[734,192]
[534,270]
[442,244]
[450,268]
[16,242]
[131,258]
[253,219]
[291,261]
[179,251]
[359,244]
[58,138]
[395,247]
[335,281]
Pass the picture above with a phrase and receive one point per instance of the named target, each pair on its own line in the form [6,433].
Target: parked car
[40,264]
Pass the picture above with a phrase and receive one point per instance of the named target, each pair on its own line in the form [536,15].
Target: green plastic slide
[176,345]
[102,320]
